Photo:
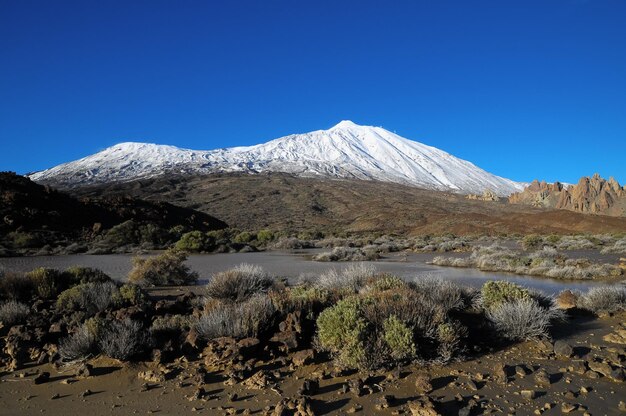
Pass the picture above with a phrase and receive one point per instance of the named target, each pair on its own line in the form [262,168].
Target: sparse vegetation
[13,312]
[89,297]
[348,254]
[351,278]
[545,262]
[607,299]
[166,269]
[78,345]
[250,318]
[123,339]
[239,283]
[522,319]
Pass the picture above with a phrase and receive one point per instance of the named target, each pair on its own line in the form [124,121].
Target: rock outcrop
[593,195]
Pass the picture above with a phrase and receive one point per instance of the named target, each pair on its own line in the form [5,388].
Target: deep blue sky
[524,89]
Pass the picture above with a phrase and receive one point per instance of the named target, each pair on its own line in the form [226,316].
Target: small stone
[55,396]
[528,394]
[303,357]
[84,370]
[86,393]
[542,377]
[42,378]
[521,371]
[563,349]
[567,407]
[621,406]
[471,385]
[617,375]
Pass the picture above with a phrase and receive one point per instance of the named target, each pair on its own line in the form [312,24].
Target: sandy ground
[116,389]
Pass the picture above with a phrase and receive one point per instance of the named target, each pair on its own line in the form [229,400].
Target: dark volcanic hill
[286,202]
[33,215]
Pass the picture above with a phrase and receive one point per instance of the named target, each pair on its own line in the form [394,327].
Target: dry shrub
[89,297]
[13,312]
[348,254]
[79,345]
[123,340]
[606,299]
[522,319]
[251,318]
[16,286]
[351,278]
[166,269]
[239,284]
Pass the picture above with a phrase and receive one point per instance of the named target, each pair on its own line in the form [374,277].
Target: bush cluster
[166,269]
[545,262]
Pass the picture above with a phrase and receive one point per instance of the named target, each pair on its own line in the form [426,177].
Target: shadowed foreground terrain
[287,203]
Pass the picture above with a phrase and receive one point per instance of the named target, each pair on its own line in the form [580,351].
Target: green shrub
[532,241]
[553,239]
[342,330]
[244,237]
[385,282]
[132,294]
[166,269]
[45,282]
[123,234]
[25,240]
[171,324]
[78,274]
[195,241]
[399,338]
[89,297]
[265,236]
[497,292]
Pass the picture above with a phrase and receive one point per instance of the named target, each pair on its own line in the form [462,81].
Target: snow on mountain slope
[347,150]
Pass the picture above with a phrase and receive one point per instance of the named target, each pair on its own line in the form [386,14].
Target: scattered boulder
[563,349]
[542,378]
[84,370]
[423,384]
[600,367]
[424,406]
[42,378]
[303,357]
[617,337]
[152,376]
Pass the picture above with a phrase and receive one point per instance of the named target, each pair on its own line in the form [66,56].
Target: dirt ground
[469,387]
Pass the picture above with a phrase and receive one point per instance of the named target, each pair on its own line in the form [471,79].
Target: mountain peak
[345,124]
[346,150]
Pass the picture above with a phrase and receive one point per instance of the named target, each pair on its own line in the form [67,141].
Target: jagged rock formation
[486,196]
[593,195]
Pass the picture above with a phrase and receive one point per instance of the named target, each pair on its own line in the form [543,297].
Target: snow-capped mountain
[346,150]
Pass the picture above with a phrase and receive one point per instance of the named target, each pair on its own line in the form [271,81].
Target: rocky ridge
[591,195]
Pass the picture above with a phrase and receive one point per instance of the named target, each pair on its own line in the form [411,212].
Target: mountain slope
[284,202]
[33,216]
[346,150]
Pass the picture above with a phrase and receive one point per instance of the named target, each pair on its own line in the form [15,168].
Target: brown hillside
[284,202]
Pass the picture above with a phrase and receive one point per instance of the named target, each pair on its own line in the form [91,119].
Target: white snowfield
[347,150]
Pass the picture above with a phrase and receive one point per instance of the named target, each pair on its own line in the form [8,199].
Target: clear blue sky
[524,89]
